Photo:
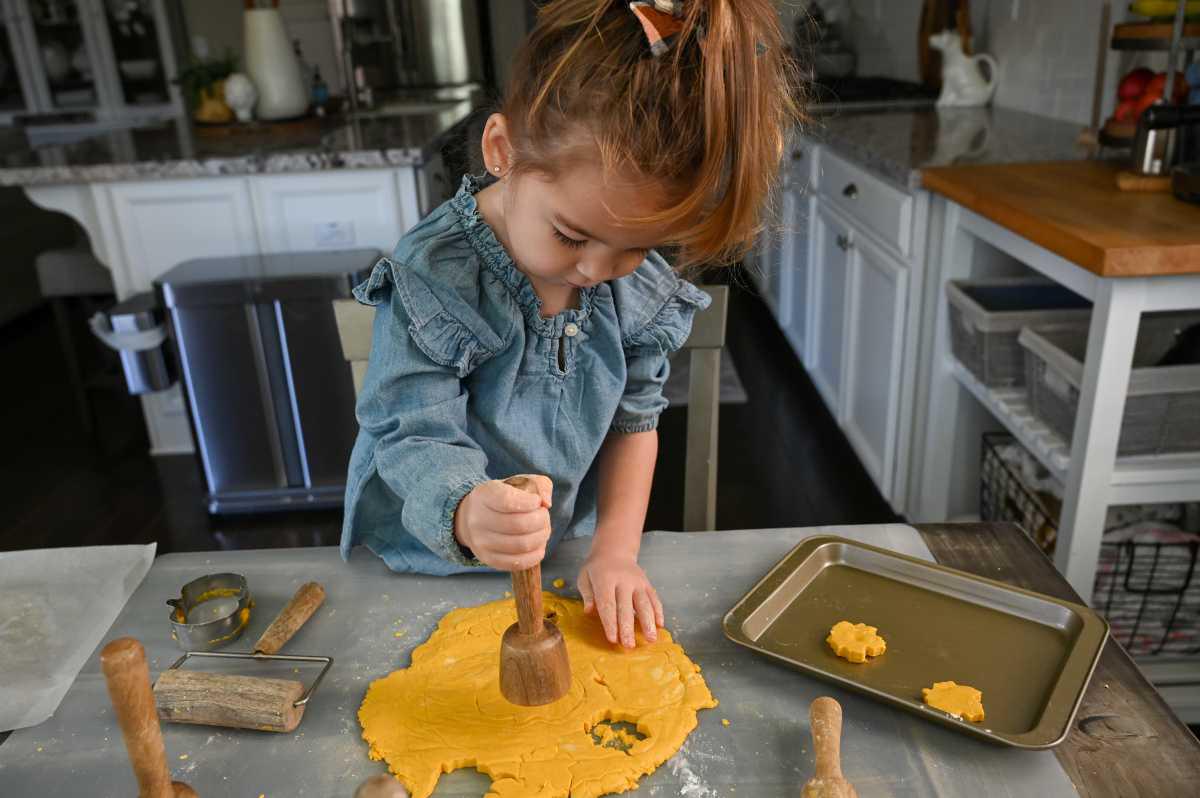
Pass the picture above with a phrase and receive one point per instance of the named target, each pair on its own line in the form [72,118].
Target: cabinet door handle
[844,242]
[850,191]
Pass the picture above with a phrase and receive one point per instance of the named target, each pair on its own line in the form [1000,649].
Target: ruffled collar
[500,264]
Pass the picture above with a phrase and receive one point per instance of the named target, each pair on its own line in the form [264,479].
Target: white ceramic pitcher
[271,63]
[963,84]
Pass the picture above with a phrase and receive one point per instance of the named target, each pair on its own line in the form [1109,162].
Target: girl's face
[563,232]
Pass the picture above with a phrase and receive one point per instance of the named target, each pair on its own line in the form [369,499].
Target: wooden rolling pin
[237,702]
[825,721]
[534,669]
[381,786]
[243,702]
[128,678]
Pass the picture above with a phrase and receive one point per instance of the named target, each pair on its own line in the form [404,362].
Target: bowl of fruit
[1137,91]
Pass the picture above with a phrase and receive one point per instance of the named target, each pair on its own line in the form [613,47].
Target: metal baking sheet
[1031,655]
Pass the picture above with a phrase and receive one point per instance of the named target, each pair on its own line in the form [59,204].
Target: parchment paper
[55,606]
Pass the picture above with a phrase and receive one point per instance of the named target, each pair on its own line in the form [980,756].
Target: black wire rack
[1148,591]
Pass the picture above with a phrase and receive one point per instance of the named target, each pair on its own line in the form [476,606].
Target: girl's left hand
[614,586]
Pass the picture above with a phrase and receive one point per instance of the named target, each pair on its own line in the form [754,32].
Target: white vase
[271,64]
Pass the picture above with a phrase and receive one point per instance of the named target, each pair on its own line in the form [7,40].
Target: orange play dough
[445,711]
[958,700]
[855,641]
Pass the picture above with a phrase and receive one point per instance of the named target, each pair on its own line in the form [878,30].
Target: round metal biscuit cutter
[210,612]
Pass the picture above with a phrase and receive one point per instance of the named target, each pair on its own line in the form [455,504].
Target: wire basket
[1149,590]
[1003,495]
[1150,594]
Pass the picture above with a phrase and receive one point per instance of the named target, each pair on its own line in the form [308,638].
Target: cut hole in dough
[616,734]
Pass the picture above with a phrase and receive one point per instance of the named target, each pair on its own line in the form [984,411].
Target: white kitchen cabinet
[149,228]
[874,204]
[328,210]
[141,229]
[796,207]
[876,304]
[832,240]
[780,256]
[770,272]
[159,224]
[848,299]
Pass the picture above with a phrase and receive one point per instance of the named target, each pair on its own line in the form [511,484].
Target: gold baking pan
[1031,655]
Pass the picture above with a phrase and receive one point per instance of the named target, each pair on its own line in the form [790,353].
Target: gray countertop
[898,144]
[373,619]
[174,149]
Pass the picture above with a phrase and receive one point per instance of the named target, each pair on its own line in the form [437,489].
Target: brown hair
[707,120]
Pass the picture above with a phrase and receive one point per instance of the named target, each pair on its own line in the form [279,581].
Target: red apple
[1145,101]
[1155,85]
[1133,85]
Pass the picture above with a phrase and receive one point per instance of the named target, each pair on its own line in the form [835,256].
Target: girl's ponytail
[703,110]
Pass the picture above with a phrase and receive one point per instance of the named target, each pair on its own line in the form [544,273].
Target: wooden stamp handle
[128,677]
[825,720]
[308,598]
[384,785]
[527,588]
[527,584]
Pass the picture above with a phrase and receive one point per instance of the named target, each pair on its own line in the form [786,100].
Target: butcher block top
[1075,210]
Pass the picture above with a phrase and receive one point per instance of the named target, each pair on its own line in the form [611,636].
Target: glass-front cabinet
[16,94]
[110,57]
[134,36]
[68,62]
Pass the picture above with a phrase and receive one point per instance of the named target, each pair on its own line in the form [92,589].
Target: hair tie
[661,20]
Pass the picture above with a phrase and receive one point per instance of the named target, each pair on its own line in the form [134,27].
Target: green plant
[201,73]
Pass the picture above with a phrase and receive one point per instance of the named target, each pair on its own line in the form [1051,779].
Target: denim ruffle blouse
[467,382]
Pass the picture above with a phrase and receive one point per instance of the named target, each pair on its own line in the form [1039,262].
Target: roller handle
[527,584]
[382,786]
[308,598]
[825,720]
[123,662]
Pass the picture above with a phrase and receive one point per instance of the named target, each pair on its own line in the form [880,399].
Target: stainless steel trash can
[134,328]
[269,395]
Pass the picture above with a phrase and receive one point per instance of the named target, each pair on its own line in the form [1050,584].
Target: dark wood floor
[783,461]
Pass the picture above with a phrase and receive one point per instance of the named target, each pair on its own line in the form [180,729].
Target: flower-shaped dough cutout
[855,641]
[957,700]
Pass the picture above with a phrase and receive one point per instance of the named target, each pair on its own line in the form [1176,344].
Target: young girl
[523,327]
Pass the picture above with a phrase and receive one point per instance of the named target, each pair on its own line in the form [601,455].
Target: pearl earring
[495,168]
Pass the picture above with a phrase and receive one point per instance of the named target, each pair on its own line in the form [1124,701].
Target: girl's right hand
[503,526]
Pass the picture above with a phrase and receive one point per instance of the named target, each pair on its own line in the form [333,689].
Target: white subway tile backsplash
[1046,48]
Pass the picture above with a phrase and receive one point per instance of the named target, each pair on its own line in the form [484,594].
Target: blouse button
[571,329]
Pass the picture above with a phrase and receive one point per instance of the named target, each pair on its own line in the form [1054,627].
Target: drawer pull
[844,242]
[850,191]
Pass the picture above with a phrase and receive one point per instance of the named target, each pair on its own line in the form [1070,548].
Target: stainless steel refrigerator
[438,48]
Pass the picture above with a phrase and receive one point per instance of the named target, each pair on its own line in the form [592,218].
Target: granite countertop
[898,144]
[894,143]
[174,149]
